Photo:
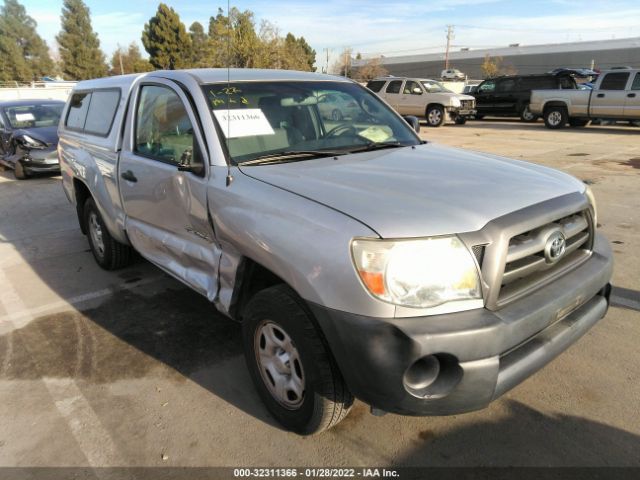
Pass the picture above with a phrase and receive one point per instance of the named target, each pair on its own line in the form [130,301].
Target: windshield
[258,119]
[34,116]
[434,87]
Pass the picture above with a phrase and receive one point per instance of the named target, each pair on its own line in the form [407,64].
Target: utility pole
[326,68]
[120,58]
[450,37]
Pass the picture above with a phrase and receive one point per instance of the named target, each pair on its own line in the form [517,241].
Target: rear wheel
[526,115]
[108,252]
[555,117]
[291,367]
[19,171]
[435,115]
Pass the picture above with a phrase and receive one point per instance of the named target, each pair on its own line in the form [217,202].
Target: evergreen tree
[166,40]
[24,54]
[200,48]
[80,52]
[129,61]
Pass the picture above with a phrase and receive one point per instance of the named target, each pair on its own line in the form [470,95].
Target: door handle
[631,95]
[129,176]
[600,95]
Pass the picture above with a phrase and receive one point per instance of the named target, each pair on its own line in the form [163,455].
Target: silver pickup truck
[360,260]
[615,96]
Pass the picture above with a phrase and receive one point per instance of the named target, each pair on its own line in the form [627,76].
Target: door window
[102,109]
[507,85]
[78,107]
[636,82]
[487,87]
[614,81]
[412,88]
[375,85]
[394,87]
[163,129]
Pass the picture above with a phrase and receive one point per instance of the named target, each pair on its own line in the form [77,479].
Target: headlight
[455,102]
[417,273]
[30,142]
[592,203]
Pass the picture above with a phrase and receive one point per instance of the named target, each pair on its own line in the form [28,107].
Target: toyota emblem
[555,247]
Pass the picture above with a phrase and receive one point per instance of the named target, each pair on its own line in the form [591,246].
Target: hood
[429,190]
[48,135]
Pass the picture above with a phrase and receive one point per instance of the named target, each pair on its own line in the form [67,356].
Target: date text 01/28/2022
[315,473]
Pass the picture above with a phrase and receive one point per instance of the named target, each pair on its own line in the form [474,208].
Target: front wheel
[108,252]
[435,116]
[460,120]
[19,171]
[556,117]
[291,367]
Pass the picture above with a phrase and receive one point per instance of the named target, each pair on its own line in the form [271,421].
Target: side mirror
[191,161]
[413,122]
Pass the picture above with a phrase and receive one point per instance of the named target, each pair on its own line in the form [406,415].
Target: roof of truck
[211,75]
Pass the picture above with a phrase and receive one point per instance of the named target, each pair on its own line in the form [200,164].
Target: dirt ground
[133,369]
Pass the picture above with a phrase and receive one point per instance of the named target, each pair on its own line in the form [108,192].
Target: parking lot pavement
[132,368]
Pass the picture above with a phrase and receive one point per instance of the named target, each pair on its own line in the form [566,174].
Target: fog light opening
[433,376]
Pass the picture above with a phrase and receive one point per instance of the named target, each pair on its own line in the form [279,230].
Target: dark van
[509,96]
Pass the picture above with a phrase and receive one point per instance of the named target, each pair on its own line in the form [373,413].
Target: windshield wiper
[291,155]
[378,146]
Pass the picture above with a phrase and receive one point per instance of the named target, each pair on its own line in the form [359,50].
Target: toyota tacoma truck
[360,261]
[615,96]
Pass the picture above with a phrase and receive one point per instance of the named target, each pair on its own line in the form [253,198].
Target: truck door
[608,100]
[505,101]
[632,102]
[485,97]
[392,94]
[162,176]
[412,99]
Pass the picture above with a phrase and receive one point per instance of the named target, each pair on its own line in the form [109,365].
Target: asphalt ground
[131,368]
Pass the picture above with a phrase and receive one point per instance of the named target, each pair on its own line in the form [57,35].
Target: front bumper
[482,353]
[455,112]
[39,161]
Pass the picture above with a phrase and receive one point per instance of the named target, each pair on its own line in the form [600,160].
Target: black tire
[113,255]
[19,172]
[556,117]
[578,122]
[478,116]
[326,400]
[527,116]
[460,120]
[435,115]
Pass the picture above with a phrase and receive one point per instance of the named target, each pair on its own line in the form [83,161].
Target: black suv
[508,96]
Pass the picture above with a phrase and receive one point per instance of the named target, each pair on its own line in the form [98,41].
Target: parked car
[359,260]
[423,97]
[452,74]
[337,106]
[469,89]
[509,96]
[29,136]
[615,96]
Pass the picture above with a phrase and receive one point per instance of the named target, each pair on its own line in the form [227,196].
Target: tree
[166,40]
[200,47]
[129,61]
[24,55]
[79,46]
[342,66]
[490,66]
[298,54]
[371,69]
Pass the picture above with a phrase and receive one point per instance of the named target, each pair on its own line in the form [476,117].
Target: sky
[375,27]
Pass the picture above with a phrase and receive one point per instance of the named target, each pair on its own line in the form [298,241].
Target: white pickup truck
[615,96]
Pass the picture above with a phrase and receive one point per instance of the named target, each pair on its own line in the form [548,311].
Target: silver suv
[426,98]
[360,260]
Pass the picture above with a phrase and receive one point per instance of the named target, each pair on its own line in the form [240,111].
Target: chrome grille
[527,267]
[467,104]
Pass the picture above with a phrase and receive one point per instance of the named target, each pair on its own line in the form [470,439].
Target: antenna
[229,178]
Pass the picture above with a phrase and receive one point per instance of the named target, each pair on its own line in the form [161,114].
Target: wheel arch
[554,103]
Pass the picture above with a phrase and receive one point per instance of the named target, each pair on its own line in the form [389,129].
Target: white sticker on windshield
[25,117]
[243,123]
